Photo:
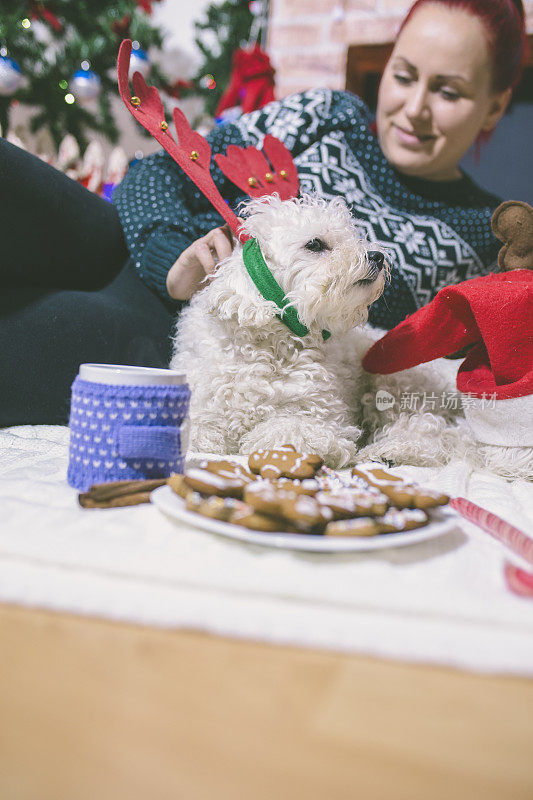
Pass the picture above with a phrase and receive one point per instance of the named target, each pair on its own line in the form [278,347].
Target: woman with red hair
[448,82]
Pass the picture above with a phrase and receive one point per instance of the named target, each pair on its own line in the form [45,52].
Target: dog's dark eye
[316,246]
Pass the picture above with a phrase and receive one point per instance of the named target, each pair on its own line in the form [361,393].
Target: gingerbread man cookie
[205,482]
[284,462]
[306,486]
[402,519]
[394,521]
[178,485]
[400,493]
[228,469]
[302,510]
[349,503]
[362,526]
[249,518]
[221,508]
[306,514]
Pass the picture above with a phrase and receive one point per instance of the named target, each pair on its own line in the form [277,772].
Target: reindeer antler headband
[247,168]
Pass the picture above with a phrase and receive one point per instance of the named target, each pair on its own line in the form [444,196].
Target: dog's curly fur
[254,383]
[257,385]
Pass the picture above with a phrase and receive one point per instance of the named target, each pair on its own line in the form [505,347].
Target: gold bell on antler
[252,181]
[164,125]
[195,155]
[269,177]
[135,101]
[283,173]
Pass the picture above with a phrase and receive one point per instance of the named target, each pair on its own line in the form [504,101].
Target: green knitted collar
[270,289]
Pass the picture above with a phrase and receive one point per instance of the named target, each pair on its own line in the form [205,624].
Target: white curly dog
[255,384]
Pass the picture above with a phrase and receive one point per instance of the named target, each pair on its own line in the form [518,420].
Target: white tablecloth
[443,601]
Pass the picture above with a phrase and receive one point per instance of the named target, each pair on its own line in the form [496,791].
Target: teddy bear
[512,224]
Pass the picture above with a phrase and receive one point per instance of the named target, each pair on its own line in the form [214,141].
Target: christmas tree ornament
[58,36]
[139,63]
[39,12]
[10,76]
[68,156]
[91,173]
[227,23]
[117,166]
[229,115]
[121,27]
[177,88]
[251,83]
[208,82]
[16,140]
[85,85]
[146,5]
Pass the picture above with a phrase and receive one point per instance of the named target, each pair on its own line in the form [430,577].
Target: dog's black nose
[376,257]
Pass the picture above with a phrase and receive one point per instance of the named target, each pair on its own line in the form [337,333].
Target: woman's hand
[198,260]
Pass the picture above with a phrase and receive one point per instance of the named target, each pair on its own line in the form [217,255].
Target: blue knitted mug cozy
[125,432]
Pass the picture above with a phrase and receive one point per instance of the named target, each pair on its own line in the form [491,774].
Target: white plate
[444,521]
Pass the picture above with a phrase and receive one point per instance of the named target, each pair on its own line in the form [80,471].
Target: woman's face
[435,94]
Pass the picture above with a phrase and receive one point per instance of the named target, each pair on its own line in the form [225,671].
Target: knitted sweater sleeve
[162,212]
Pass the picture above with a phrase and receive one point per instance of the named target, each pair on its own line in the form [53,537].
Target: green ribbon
[270,289]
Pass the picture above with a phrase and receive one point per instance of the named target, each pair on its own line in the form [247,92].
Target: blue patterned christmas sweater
[435,233]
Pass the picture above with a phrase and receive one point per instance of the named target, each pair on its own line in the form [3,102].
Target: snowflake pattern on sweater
[434,233]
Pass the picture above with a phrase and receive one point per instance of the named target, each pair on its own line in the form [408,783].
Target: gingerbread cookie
[205,482]
[249,518]
[306,486]
[331,481]
[228,469]
[284,462]
[305,513]
[402,519]
[265,497]
[400,493]
[178,485]
[394,521]
[302,510]
[222,508]
[363,526]
[193,501]
[348,503]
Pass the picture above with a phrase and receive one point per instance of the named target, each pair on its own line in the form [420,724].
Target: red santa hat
[493,314]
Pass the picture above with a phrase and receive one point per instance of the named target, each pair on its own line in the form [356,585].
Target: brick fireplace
[334,43]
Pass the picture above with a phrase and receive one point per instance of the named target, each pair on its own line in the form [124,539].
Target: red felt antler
[193,153]
[247,167]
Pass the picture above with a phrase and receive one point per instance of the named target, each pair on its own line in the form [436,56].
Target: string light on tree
[85,84]
[208,82]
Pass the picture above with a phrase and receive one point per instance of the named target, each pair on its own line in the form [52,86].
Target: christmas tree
[59,57]
[227,26]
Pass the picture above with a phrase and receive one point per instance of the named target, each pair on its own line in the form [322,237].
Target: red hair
[506,35]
